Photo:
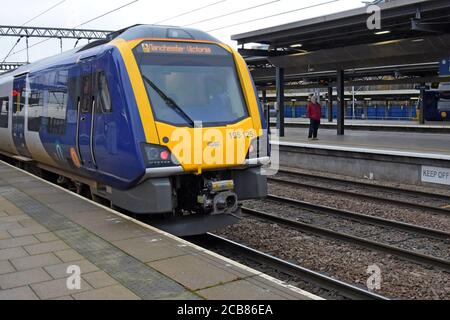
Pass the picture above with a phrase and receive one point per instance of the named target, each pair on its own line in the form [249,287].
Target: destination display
[181,48]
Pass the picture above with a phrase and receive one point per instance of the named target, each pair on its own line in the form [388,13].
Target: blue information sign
[444,69]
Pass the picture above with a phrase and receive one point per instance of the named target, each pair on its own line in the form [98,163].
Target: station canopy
[414,37]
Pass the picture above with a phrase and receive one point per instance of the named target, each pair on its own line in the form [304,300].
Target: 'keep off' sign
[436,175]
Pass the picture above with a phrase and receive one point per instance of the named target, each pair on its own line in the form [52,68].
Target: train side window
[57,108]
[4,109]
[103,96]
[35,110]
[19,101]
[86,97]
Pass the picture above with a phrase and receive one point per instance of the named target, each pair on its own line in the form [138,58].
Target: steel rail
[371,185]
[427,232]
[304,227]
[367,196]
[325,282]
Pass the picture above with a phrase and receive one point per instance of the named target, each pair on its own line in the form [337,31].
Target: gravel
[344,261]
[347,179]
[375,191]
[288,279]
[397,238]
[369,207]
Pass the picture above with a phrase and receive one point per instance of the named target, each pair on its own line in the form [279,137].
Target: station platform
[418,144]
[48,234]
[374,125]
[385,156]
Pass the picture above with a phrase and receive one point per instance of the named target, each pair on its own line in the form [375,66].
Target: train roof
[162,32]
[95,47]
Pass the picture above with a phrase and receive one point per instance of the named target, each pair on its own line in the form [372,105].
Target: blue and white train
[103,118]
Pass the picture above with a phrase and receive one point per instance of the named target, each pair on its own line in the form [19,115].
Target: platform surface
[45,229]
[435,146]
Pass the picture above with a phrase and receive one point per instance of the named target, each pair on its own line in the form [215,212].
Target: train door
[20,93]
[86,120]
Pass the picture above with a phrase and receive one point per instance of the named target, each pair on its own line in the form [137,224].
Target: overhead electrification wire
[32,19]
[191,11]
[274,15]
[44,12]
[18,40]
[98,17]
[105,14]
[232,13]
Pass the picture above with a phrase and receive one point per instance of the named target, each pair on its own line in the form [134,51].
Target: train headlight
[158,156]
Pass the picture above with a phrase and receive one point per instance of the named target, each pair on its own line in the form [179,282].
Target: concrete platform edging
[380,165]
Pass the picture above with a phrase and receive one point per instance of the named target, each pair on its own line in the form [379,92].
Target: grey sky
[74,12]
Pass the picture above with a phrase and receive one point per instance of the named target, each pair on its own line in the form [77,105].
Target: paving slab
[68,255]
[11,253]
[21,278]
[46,237]
[6,267]
[28,231]
[46,247]
[58,271]
[32,262]
[4,235]
[45,231]
[148,249]
[99,279]
[193,272]
[18,242]
[57,288]
[9,226]
[22,293]
[109,293]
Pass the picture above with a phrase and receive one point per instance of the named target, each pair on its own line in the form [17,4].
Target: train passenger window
[86,100]
[57,108]
[103,96]
[35,110]
[19,101]
[4,109]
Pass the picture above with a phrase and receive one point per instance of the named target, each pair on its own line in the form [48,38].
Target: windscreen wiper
[169,101]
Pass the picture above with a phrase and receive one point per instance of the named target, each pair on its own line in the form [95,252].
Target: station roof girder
[350,27]
[419,34]
[8,66]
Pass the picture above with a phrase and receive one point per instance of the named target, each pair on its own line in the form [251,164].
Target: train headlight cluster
[157,156]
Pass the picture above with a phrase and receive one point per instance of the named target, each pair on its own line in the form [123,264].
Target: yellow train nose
[199,149]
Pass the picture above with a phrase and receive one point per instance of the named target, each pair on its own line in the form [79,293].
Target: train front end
[205,133]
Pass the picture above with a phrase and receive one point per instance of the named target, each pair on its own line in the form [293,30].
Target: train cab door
[19,100]
[86,120]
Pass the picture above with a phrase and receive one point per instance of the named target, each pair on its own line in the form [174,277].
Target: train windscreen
[191,82]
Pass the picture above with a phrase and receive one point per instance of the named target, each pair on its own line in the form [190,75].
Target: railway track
[327,186]
[325,282]
[410,255]
[427,232]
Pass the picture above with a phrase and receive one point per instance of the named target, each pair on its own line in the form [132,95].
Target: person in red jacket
[314,113]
